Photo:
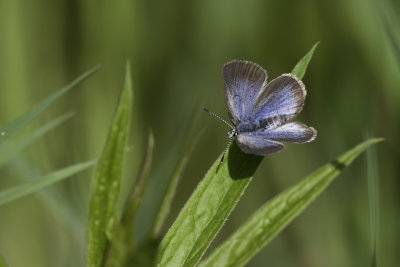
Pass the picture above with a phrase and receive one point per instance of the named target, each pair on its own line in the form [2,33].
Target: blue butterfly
[260,111]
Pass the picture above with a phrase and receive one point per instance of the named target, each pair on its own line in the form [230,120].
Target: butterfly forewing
[282,97]
[243,82]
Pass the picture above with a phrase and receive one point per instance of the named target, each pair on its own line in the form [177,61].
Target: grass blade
[171,189]
[18,124]
[103,203]
[211,203]
[19,191]
[10,149]
[300,69]
[273,216]
[373,193]
[207,209]
[122,243]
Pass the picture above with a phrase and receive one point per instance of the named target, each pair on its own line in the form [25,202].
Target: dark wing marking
[243,81]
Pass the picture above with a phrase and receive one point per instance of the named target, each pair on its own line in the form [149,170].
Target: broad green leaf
[103,215]
[12,148]
[211,203]
[169,195]
[18,124]
[300,69]
[122,242]
[273,216]
[33,186]
[207,209]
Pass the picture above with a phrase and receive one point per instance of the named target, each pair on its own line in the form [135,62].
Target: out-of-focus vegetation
[177,50]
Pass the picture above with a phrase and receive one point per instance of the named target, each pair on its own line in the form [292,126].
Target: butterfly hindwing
[253,143]
[294,132]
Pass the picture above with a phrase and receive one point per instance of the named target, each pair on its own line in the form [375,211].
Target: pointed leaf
[103,203]
[122,242]
[273,216]
[18,124]
[300,69]
[12,148]
[166,203]
[207,209]
[35,185]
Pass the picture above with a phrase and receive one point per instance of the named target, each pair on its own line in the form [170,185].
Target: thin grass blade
[277,213]
[122,242]
[103,215]
[171,189]
[300,69]
[18,124]
[207,209]
[211,203]
[12,148]
[24,189]
[373,194]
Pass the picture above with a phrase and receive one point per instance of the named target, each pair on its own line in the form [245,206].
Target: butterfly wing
[264,142]
[253,143]
[243,81]
[282,98]
[294,132]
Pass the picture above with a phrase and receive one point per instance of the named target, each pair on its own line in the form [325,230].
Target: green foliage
[207,209]
[24,189]
[277,213]
[300,69]
[22,121]
[12,148]
[103,215]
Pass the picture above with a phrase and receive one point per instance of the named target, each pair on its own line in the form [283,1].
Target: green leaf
[166,203]
[211,203]
[300,69]
[33,186]
[273,216]
[207,209]
[18,124]
[122,243]
[103,203]
[12,148]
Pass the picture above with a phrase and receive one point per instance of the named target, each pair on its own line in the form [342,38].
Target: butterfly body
[259,111]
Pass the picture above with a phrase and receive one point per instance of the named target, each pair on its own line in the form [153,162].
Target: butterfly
[260,111]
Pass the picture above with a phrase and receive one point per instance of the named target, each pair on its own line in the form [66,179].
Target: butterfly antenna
[226,149]
[218,117]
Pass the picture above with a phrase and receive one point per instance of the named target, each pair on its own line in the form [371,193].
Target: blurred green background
[177,49]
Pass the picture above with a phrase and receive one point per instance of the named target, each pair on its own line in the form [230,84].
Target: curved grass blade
[300,69]
[274,215]
[122,243]
[170,193]
[10,149]
[207,209]
[18,124]
[211,203]
[19,191]
[373,197]
[103,216]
